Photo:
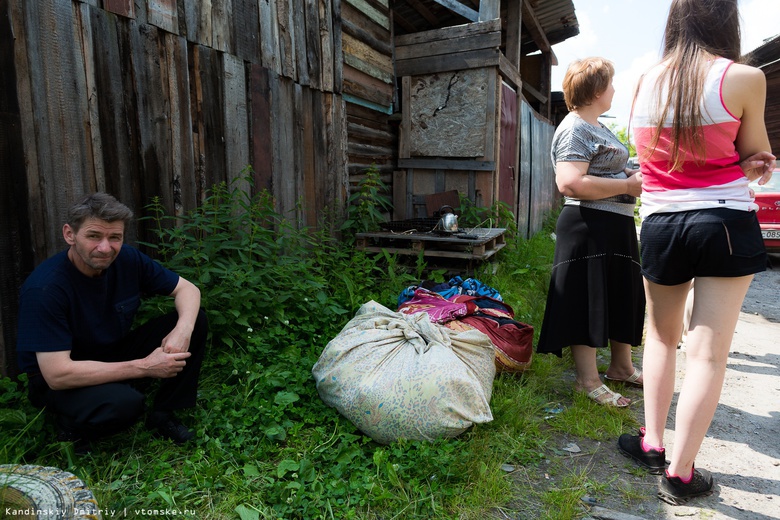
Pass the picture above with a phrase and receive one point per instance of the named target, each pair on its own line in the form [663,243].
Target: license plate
[770,233]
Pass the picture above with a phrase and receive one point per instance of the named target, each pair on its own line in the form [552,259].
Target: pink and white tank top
[718,181]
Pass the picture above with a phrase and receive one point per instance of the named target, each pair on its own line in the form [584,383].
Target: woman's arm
[573,181]
[744,94]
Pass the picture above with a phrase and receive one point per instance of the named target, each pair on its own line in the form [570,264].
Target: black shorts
[721,242]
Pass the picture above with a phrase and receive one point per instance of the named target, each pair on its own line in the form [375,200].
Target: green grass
[267,447]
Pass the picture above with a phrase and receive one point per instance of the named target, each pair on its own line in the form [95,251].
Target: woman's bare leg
[621,365]
[587,371]
[716,306]
[665,306]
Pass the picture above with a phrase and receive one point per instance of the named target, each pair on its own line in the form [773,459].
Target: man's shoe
[168,426]
[631,446]
[66,433]
[673,490]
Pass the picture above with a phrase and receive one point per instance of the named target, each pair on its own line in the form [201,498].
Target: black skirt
[596,291]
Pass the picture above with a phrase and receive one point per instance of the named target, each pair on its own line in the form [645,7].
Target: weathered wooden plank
[449,62]
[366,59]
[359,34]
[446,164]
[514,33]
[492,123]
[269,35]
[326,45]
[236,119]
[162,14]
[60,112]
[299,36]
[447,33]
[150,69]
[197,17]
[116,111]
[380,17]
[246,30]
[94,149]
[305,156]
[509,73]
[366,87]
[490,40]
[356,24]
[286,38]
[367,134]
[260,127]
[184,183]
[336,130]
[313,51]
[222,25]
[489,9]
[124,8]
[337,47]
[210,144]
[405,130]
[319,154]
[16,256]
[284,146]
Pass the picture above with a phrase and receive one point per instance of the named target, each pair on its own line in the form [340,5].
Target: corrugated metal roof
[766,54]
[556,18]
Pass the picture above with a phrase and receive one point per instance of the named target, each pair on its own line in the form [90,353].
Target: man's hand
[176,341]
[759,166]
[162,365]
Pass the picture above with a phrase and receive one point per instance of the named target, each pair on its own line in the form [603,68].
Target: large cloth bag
[401,376]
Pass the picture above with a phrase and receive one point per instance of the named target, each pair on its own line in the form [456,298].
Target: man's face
[95,246]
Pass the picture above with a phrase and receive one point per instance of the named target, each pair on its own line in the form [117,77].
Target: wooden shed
[767,57]
[145,98]
[475,105]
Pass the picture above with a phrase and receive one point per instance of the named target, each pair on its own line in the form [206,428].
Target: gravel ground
[741,448]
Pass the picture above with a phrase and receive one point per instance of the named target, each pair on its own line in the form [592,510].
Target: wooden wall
[369,88]
[145,98]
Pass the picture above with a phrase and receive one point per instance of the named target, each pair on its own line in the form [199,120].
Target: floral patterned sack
[401,376]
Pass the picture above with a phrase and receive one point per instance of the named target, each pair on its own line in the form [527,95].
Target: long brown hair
[696,32]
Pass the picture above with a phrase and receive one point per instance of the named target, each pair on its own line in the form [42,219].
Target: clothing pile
[396,375]
[470,304]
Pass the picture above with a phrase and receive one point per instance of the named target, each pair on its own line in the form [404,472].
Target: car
[768,200]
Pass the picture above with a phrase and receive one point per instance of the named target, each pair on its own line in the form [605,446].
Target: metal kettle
[449,220]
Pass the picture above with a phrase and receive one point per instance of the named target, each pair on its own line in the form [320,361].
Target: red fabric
[513,341]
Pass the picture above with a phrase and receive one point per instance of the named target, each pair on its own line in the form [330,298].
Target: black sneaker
[168,426]
[676,492]
[631,446]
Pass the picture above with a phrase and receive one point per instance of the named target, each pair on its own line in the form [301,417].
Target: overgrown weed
[267,446]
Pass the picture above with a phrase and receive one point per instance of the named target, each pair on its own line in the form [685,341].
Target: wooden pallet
[479,243]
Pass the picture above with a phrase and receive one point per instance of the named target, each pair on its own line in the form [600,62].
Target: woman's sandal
[611,398]
[632,380]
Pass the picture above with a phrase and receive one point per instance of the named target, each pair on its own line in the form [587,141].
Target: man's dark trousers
[99,410]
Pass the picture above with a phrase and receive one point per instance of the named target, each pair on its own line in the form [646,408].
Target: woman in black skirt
[596,298]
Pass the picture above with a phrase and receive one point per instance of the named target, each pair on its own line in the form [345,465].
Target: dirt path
[742,447]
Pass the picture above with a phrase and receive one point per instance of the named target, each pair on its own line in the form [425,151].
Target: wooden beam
[458,61]
[489,10]
[457,7]
[534,27]
[514,30]
[447,33]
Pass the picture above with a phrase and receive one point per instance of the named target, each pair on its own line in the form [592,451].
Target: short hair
[585,79]
[101,206]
